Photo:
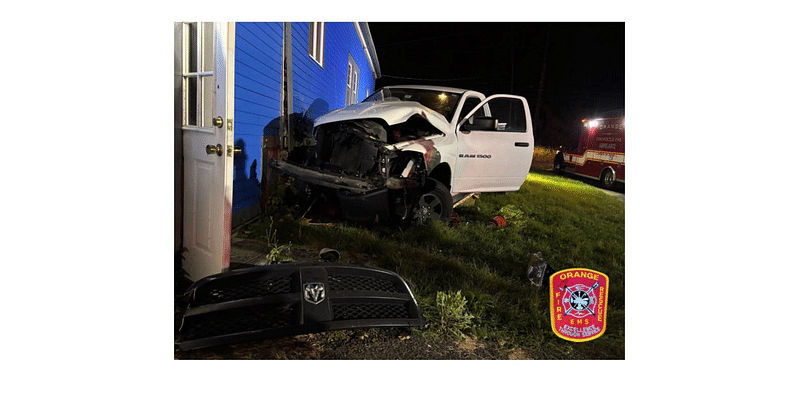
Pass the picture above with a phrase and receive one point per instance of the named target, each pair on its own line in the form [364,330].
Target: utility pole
[513,41]
[541,79]
[512,71]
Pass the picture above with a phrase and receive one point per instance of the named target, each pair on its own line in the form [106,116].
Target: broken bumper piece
[290,299]
[360,199]
[334,181]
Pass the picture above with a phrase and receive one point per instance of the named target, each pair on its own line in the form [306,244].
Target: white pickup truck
[407,151]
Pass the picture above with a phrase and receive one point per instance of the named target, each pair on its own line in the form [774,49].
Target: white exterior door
[207,83]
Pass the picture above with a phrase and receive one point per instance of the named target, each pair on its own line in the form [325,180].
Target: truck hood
[391,111]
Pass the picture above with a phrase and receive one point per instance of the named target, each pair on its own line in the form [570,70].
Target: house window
[316,41]
[351,97]
[197,73]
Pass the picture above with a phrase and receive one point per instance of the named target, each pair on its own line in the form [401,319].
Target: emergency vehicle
[600,153]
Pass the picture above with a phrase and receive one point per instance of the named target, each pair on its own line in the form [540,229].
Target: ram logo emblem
[314,293]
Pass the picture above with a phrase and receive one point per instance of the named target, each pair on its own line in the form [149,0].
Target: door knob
[214,149]
[218,122]
[234,150]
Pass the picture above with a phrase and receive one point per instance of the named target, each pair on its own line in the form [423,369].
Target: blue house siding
[257,96]
[319,89]
[315,90]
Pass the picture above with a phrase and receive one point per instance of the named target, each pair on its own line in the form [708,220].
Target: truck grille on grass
[259,302]
[243,290]
[367,311]
[364,283]
[239,320]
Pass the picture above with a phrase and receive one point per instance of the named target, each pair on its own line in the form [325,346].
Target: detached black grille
[365,283]
[368,311]
[239,320]
[287,299]
[244,290]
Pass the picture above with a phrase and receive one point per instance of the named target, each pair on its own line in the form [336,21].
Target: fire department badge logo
[578,304]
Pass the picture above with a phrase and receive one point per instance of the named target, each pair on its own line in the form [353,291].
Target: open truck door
[495,146]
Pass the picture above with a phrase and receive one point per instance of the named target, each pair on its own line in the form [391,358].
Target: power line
[440,79]
[425,39]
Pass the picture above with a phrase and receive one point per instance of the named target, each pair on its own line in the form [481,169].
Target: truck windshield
[442,102]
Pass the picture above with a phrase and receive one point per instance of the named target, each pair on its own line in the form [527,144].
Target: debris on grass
[509,214]
[327,254]
[498,221]
[539,270]
[468,200]
[455,221]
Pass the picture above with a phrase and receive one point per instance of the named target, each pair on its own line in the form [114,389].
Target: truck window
[510,114]
[469,104]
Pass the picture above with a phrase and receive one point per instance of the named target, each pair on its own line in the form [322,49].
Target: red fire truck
[600,153]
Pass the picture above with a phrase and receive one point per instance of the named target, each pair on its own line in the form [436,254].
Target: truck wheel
[558,163]
[607,179]
[434,204]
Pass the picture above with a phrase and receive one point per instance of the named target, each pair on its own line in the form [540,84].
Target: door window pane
[208,100]
[208,46]
[190,108]
[469,105]
[198,75]
[510,114]
[192,47]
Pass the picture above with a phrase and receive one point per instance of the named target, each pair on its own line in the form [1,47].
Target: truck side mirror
[480,124]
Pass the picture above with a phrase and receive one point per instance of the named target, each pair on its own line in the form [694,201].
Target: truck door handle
[522,144]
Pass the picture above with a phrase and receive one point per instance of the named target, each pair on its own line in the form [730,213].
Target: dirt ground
[359,344]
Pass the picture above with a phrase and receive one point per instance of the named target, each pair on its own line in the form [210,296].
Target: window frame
[351,85]
[197,67]
[316,42]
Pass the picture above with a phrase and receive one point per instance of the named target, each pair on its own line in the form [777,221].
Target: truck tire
[607,179]
[558,163]
[434,204]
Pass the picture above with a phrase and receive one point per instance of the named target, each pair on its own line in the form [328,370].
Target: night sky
[584,70]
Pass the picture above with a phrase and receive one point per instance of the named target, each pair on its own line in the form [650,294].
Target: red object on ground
[499,221]
[454,220]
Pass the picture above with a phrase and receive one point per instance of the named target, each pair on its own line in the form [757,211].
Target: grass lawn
[470,280]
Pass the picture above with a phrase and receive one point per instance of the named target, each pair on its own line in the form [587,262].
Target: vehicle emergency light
[591,125]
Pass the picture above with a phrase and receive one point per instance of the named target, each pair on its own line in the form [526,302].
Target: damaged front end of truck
[371,160]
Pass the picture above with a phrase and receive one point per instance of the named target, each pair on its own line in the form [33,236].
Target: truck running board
[258,302]
[461,198]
